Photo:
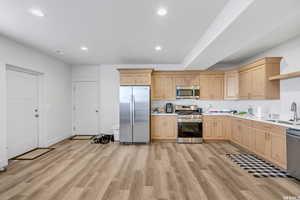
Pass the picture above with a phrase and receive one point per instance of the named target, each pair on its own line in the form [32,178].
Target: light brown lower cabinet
[236,131]
[213,128]
[227,127]
[163,127]
[278,146]
[262,145]
[265,140]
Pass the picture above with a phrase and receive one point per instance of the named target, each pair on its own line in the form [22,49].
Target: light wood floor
[77,170]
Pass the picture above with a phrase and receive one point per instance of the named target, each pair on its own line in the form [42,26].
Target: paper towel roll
[259,112]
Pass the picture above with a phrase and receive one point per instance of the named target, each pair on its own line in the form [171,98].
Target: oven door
[189,129]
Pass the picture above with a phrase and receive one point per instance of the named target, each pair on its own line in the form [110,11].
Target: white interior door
[85,108]
[22,108]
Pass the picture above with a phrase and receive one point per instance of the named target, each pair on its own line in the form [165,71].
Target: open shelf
[285,76]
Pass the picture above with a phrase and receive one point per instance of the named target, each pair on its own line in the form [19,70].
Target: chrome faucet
[294,109]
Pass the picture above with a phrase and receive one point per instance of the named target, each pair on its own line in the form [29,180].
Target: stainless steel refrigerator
[134,114]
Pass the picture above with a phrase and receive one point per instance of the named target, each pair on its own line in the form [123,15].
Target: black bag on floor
[103,139]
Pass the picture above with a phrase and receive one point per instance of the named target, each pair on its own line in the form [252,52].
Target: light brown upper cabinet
[245,87]
[254,80]
[231,85]
[163,87]
[135,76]
[188,80]
[211,86]
[164,83]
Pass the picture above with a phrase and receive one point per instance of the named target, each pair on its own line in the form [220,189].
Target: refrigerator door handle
[133,110]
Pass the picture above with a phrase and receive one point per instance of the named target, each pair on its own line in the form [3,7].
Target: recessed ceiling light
[84,48]
[158,48]
[36,12]
[162,11]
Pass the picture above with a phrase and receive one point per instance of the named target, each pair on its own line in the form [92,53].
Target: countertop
[248,117]
[156,113]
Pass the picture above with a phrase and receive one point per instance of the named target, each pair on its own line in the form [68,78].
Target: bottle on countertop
[250,110]
[259,112]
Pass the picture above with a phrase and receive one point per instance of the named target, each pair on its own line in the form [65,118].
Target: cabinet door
[158,88]
[189,80]
[180,81]
[142,80]
[278,149]
[207,128]
[218,132]
[252,139]
[217,91]
[227,127]
[163,88]
[245,136]
[258,83]
[194,80]
[231,85]
[155,127]
[205,87]
[163,127]
[169,125]
[211,87]
[169,89]
[236,133]
[245,84]
[213,128]
[262,144]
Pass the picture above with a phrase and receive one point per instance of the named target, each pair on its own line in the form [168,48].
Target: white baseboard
[2,166]
[57,139]
[2,169]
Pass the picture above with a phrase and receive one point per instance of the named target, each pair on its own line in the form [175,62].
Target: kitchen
[267,136]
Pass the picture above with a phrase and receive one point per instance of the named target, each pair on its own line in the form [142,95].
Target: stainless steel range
[189,123]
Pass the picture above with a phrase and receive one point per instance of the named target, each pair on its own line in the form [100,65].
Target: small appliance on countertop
[169,108]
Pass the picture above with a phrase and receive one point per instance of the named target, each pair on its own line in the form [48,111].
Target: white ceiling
[195,33]
[285,31]
[255,28]
[116,32]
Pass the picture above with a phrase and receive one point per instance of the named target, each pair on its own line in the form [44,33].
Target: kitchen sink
[283,122]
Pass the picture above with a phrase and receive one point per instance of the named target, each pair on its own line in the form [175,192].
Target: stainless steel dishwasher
[293,152]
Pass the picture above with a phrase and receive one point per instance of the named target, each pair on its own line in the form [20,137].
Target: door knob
[97,111]
[37,116]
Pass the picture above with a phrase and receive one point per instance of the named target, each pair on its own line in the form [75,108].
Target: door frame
[73,104]
[42,135]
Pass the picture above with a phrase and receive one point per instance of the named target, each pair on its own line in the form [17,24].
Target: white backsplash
[267,106]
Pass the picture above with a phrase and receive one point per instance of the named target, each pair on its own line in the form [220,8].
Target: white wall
[57,90]
[290,88]
[3,150]
[108,78]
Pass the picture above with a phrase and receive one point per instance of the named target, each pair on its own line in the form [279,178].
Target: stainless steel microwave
[187,92]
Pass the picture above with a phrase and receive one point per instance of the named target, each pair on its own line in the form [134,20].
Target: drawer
[244,122]
[261,126]
[280,130]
